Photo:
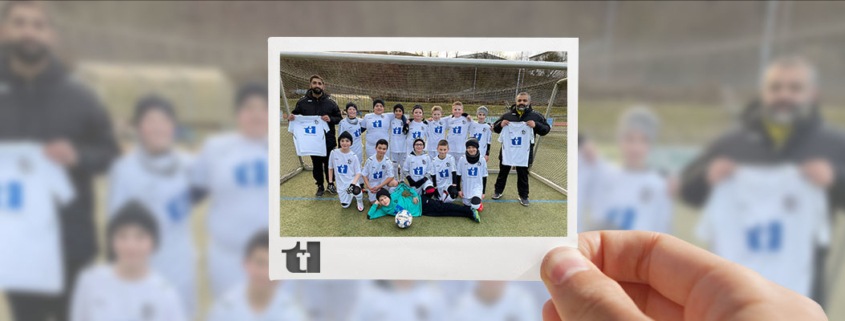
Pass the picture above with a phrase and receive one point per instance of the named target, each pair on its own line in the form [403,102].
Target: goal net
[427,81]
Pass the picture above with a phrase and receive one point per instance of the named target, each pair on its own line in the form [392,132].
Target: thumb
[580,291]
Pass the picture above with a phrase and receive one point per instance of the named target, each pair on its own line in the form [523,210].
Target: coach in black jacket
[41,103]
[519,112]
[785,126]
[316,102]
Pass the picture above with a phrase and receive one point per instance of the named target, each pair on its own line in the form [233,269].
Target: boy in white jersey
[444,173]
[399,300]
[436,129]
[376,126]
[344,168]
[417,167]
[417,128]
[472,176]
[156,174]
[232,169]
[354,126]
[458,127]
[495,301]
[482,132]
[127,288]
[398,135]
[259,299]
[378,171]
[633,196]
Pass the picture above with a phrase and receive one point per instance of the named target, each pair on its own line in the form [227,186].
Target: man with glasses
[317,102]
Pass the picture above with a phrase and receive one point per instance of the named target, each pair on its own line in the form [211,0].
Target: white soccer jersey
[377,127]
[630,200]
[472,177]
[327,300]
[436,132]
[377,171]
[458,128]
[397,136]
[417,166]
[516,139]
[31,189]
[233,169]
[769,219]
[442,169]
[345,167]
[162,184]
[309,135]
[514,304]
[416,130]
[101,295]
[483,133]
[235,306]
[381,301]
[354,130]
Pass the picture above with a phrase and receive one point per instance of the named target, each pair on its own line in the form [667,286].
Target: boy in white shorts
[344,168]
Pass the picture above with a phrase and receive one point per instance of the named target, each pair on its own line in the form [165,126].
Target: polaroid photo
[421,158]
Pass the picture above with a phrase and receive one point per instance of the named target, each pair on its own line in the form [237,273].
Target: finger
[652,303]
[549,312]
[580,291]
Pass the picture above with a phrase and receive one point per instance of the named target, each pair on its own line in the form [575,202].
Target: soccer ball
[403,219]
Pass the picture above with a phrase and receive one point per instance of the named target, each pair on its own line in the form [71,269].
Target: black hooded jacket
[55,106]
[310,106]
[541,127]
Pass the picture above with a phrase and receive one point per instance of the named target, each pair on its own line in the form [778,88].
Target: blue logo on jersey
[444,173]
[251,174]
[477,136]
[416,135]
[342,169]
[438,130]
[377,124]
[456,130]
[179,207]
[378,175]
[418,171]
[765,237]
[357,133]
[397,131]
[472,171]
[311,130]
[11,196]
[516,141]
[623,218]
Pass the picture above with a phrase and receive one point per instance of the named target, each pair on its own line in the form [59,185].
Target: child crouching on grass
[345,168]
[426,204]
[472,176]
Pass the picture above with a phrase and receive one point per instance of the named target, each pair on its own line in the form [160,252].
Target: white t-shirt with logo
[423,302]
[397,136]
[235,305]
[769,219]
[436,133]
[516,139]
[630,200]
[377,127]
[376,171]
[416,130]
[458,132]
[345,167]
[483,133]
[514,304]
[442,169]
[32,187]
[309,135]
[472,177]
[354,130]
[101,295]
[417,166]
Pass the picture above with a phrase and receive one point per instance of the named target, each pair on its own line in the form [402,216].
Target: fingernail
[563,264]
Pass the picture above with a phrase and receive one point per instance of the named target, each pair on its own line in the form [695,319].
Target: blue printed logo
[765,237]
[516,141]
[472,171]
[342,169]
[378,175]
[179,207]
[11,196]
[477,136]
[377,124]
[438,130]
[416,135]
[251,173]
[418,171]
[444,173]
[311,130]
[622,217]
[397,131]
[456,130]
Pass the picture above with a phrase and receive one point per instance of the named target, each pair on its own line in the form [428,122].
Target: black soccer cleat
[524,201]
[320,191]
[332,189]
[497,195]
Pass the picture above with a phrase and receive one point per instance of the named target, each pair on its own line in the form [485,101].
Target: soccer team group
[419,165]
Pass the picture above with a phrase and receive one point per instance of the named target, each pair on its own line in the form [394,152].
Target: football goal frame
[431,61]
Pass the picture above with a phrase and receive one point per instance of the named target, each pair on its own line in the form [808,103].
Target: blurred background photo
[121,122]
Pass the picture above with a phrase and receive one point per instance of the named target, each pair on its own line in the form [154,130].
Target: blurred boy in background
[127,287]
[495,300]
[157,174]
[232,169]
[399,301]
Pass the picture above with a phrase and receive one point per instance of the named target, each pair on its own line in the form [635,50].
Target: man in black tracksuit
[41,103]
[317,102]
[519,112]
[785,126]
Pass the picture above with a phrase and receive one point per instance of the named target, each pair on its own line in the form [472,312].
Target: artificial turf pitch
[304,215]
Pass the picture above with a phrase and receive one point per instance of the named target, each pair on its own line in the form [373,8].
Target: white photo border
[420,258]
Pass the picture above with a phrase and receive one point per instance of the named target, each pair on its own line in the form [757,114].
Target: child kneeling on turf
[378,171]
[417,167]
[472,176]
[345,168]
[407,198]
[443,173]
